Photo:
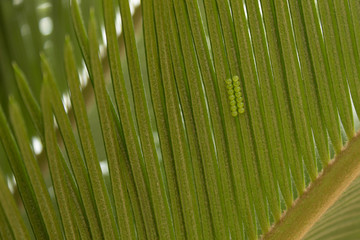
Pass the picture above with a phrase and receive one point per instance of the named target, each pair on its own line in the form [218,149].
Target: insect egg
[236,84]
[235,100]
[238,94]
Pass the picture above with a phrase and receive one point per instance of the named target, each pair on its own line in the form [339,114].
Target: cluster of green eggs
[235,96]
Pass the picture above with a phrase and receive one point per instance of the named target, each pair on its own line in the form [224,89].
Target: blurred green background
[29,27]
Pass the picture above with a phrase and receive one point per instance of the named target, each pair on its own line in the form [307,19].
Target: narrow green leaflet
[28,98]
[11,212]
[309,92]
[157,188]
[270,109]
[217,117]
[36,117]
[159,100]
[203,124]
[317,51]
[80,31]
[5,229]
[100,193]
[188,111]
[277,63]
[121,200]
[351,59]
[240,140]
[83,43]
[354,28]
[37,181]
[337,67]
[62,193]
[76,160]
[183,167]
[293,78]
[22,179]
[143,214]
[253,102]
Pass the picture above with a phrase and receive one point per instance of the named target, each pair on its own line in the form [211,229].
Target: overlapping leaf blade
[224,176]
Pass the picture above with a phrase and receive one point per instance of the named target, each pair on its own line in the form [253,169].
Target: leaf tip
[12,101]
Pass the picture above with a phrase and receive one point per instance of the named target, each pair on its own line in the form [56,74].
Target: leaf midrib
[320,195]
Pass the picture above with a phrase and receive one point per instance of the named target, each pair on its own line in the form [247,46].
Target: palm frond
[218,122]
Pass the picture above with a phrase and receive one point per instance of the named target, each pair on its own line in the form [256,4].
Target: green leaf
[239,132]
[156,183]
[100,193]
[182,161]
[313,31]
[252,101]
[80,31]
[203,124]
[293,78]
[144,217]
[76,160]
[293,153]
[36,117]
[271,115]
[189,114]
[22,179]
[5,230]
[28,98]
[182,164]
[121,200]
[354,28]
[62,193]
[309,92]
[9,210]
[217,118]
[37,181]
[336,64]
[152,14]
